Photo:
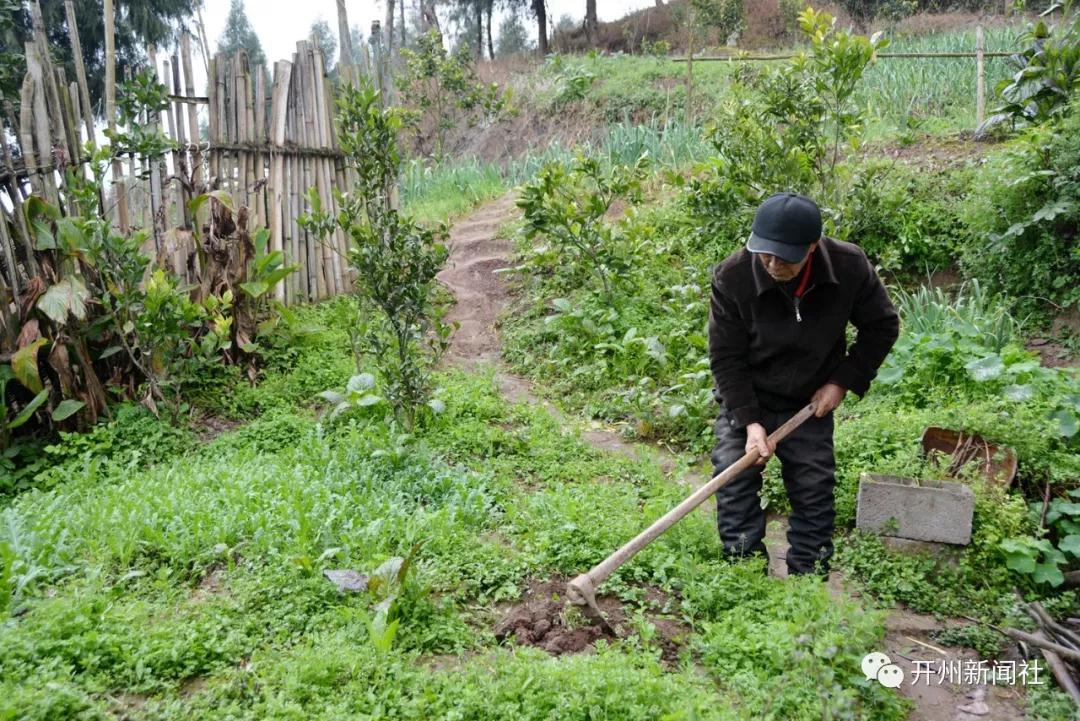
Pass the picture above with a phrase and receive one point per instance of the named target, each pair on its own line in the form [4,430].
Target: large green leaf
[1048,573]
[1070,544]
[69,296]
[890,375]
[1067,422]
[24,364]
[1020,562]
[40,215]
[32,406]
[985,369]
[255,289]
[67,408]
[70,237]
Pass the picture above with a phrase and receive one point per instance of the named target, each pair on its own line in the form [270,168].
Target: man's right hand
[757,439]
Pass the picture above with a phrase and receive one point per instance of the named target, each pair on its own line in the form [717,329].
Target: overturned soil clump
[545,619]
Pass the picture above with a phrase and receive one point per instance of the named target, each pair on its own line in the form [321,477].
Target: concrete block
[938,511]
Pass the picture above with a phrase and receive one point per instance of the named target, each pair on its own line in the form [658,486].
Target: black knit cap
[785,225]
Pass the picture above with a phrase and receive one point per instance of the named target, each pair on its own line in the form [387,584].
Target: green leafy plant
[8,424]
[786,128]
[1046,72]
[1042,559]
[395,258]
[1027,204]
[359,393]
[566,205]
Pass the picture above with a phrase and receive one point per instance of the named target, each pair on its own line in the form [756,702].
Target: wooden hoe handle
[582,590]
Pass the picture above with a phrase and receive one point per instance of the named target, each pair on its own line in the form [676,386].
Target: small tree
[567,205]
[326,41]
[441,91]
[239,35]
[513,37]
[395,258]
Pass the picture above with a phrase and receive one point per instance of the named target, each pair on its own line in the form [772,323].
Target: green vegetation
[238,623]
[172,567]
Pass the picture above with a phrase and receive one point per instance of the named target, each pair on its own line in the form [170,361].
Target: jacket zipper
[802,289]
[798,316]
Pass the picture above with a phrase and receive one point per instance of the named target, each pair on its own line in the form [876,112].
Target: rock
[347,580]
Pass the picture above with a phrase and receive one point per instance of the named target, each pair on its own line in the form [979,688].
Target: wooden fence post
[980,76]
[110,116]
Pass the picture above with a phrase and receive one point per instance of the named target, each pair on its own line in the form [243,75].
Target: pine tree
[326,41]
[239,35]
[513,37]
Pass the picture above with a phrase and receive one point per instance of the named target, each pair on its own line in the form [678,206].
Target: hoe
[582,590]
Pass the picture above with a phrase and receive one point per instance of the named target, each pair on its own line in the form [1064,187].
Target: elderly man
[777,340]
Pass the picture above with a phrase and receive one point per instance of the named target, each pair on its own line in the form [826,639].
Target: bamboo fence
[264,140]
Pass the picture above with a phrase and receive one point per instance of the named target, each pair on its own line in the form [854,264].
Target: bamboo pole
[80,76]
[16,194]
[180,158]
[170,123]
[279,96]
[980,76]
[122,218]
[311,174]
[260,141]
[61,133]
[326,183]
[227,100]
[37,134]
[213,121]
[299,181]
[345,59]
[252,138]
[192,112]
[203,45]
[9,260]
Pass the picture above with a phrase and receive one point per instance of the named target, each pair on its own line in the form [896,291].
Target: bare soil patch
[543,618]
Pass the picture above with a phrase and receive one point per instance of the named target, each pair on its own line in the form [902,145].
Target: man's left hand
[827,398]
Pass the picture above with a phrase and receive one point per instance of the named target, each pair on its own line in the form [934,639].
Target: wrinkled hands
[827,398]
[757,439]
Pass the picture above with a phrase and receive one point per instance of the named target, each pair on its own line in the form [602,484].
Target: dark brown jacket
[763,356]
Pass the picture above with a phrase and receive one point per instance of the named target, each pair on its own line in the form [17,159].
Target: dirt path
[483,296]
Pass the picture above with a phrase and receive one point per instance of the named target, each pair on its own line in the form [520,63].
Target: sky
[280,23]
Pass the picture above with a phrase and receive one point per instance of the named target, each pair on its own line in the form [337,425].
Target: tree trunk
[388,28]
[491,45]
[110,114]
[591,23]
[540,11]
[479,30]
[429,20]
[401,17]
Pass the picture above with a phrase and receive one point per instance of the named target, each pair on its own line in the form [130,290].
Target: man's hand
[827,398]
[757,439]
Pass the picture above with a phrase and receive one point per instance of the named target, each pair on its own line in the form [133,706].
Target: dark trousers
[808,469]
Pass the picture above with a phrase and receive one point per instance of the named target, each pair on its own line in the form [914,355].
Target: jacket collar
[821,272]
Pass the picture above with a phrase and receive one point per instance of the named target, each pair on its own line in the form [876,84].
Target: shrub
[395,258]
[1024,230]
[566,205]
